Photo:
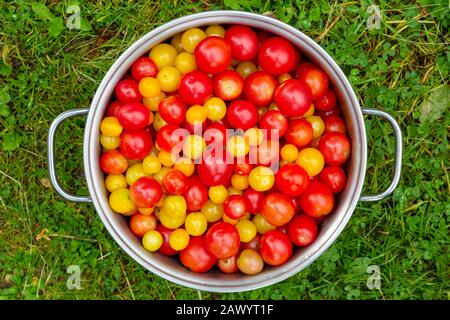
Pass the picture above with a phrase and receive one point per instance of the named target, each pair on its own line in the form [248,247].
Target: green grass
[402,68]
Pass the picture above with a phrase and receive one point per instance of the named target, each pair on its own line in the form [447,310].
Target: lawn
[402,68]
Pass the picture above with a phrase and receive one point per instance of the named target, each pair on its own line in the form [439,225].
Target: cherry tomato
[163,55]
[145,192]
[261,178]
[253,244]
[111,127]
[223,240]
[335,123]
[235,206]
[175,182]
[214,169]
[140,224]
[276,121]
[195,88]
[317,125]
[253,200]
[215,30]
[113,162]
[228,265]
[213,55]
[250,262]
[326,102]
[165,248]
[242,114]
[300,133]
[311,160]
[277,56]
[334,177]
[275,248]
[335,148]
[289,152]
[115,181]
[254,136]
[196,195]
[317,82]
[133,116]
[173,110]
[243,42]
[277,209]
[113,109]
[196,256]
[120,201]
[293,98]
[239,182]
[179,239]
[237,146]
[228,85]
[317,200]
[127,90]
[136,145]
[185,62]
[242,166]
[246,229]
[152,240]
[143,67]
[303,68]
[170,136]
[259,88]
[302,230]
[215,134]
[292,180]
[246,68]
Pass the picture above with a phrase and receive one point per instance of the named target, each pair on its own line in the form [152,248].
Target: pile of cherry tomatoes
[224,147]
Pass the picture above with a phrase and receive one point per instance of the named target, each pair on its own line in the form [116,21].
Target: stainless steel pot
[170,268]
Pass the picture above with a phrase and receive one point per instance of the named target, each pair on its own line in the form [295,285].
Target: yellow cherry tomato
[262,225]
[111,127]
[212,211]
[254,136]
[261,178]
[310,111]
[115,181]
[185,62]
[152,240]
[191,38]
[216,109]
[289,152]
[135,172]
[185,165]
[231,190]
[196,223]
[317,124]
[246,68]
[193,146]
[176,42]
[146,211]
[238,146]
[283,77]
[149,87]
[169,78]
[151,164]
[246,229]
[196,114]
[218,194]
[175,206]
[159,122]
[120,201]
[152,103]
[163,55]
[170,222]
[311,160]
[239,182]
[179,239]
[167,159]
[227,219]
[109,143]
[159,176]
[215,30]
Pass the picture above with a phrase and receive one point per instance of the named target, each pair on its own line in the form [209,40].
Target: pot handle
[51,158]
[398,155]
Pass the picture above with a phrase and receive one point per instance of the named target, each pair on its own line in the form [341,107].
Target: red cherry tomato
[259,88]
[214,168]
[113,162]
[317,82]
[197,194]
[276,121]
[215,134]
[196,128]
[213,55]
[173,110]
[133,116]
[145,192]
[165,249]
[253,244]
[196,255]
[335,148]
[292,180]
[317,200]
[303,68]
[228,265]
[223,240]
[242,168]
[235,206]
[243,42]
[253,200]
[300,133]
[228,85]
[195,87]
[302,230]
[277,209]
[293,98]
[334,178]
[334,124]
[140,224]
[275,248]
[136,145]
[171,136]
[277,56]
[143,67]
[175,182]
[127,90]
[242,114]
[333,112]
[268,153]
[113,109]
[326,102]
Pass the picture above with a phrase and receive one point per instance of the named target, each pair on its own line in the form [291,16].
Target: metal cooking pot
[170,268]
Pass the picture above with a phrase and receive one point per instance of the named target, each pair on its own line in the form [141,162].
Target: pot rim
[337,221]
